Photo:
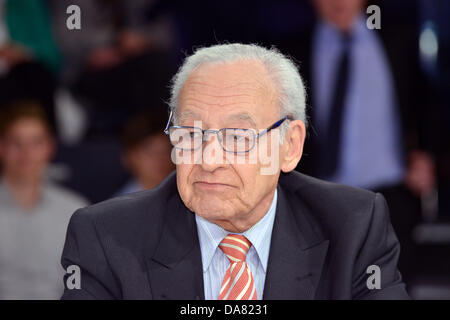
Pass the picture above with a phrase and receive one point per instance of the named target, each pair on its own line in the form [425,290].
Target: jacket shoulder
[310,188]
[133,214]
[331,204]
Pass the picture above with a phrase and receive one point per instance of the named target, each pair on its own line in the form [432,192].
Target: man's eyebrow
[243,116]
[188,114]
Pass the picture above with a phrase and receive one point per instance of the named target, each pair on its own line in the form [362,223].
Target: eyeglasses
[234,140]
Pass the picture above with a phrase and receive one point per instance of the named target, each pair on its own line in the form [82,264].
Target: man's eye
[193,135]
[237,138]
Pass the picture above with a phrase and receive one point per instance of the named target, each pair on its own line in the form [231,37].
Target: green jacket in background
[29,24]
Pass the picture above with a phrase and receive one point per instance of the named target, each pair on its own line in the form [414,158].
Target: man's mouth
[212,185]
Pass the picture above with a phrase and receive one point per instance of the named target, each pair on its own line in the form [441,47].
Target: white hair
[281,69]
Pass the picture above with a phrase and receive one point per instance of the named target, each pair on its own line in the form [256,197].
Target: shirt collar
[210,236]
[358,30]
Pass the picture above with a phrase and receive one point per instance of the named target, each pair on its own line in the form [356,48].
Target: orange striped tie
[238,283]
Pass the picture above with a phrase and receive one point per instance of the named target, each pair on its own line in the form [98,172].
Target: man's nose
[212,152]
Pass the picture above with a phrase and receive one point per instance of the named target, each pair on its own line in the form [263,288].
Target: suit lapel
[175,269]
[297,253]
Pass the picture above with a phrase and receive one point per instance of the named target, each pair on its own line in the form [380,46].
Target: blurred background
[82,113]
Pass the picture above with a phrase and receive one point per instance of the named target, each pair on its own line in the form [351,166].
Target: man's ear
[293,145]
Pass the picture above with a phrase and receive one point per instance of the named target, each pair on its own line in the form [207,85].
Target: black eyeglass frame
[256,136]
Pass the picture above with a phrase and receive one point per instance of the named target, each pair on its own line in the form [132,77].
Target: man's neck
[242,225]
[26,191]
[147,183]
[345,28]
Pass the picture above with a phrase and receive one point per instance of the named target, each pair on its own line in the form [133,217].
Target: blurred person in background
[118,61]
[34,213]
[146,152]
[370,112]
[29,57]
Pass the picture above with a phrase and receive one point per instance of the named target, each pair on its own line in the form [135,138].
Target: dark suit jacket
[325,235]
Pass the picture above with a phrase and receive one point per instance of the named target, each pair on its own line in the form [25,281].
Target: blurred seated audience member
[370,109]
[29,57]
[117,62]
[147,152]
[34,213]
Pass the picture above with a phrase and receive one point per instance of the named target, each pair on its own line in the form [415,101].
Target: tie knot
[346,39]
[235,247]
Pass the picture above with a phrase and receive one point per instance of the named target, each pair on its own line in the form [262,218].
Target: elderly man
[225,226]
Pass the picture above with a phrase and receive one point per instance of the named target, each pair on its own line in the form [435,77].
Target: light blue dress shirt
[371,154]
[214,261]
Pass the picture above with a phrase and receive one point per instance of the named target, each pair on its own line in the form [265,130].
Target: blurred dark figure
[203,22]
[29,57]
[118,61]
[34,213]
[146,152]
[437,12]
[370,125]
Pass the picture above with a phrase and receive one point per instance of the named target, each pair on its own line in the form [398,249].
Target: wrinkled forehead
[242,90]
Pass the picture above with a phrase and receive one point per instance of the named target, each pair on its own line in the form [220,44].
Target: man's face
[150,161]
[339,12]
[25,149]
[233,95]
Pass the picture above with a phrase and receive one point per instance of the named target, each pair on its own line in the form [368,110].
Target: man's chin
[213,210]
